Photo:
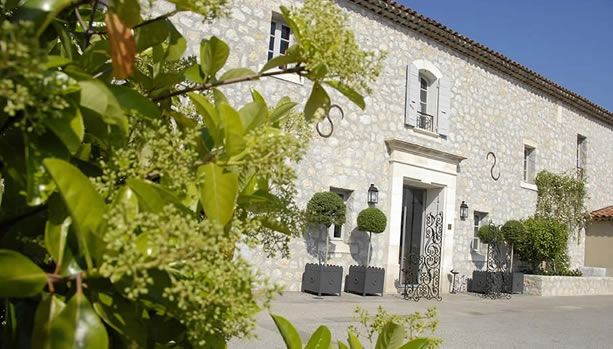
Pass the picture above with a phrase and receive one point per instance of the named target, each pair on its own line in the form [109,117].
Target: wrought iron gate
[425,269]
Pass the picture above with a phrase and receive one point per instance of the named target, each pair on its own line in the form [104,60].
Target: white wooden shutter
[444,96]
[532,166]
[412,96]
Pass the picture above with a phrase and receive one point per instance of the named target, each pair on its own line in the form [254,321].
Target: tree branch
[297,69]
[90,27]
[164,16]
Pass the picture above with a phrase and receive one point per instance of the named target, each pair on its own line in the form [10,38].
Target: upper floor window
[529,175]
[428,98]
[581,156]
[280,38]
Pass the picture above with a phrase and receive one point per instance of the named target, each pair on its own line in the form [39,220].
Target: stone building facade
[423,159]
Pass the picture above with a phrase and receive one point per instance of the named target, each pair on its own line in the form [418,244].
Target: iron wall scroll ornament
[326,135]
[496,178]
[424,281]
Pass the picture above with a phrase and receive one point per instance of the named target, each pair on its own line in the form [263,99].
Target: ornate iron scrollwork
[423,276]
[487,157]
[326,135]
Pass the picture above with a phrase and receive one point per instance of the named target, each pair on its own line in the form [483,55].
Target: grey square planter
[365,281]
[322,279]
[514,282]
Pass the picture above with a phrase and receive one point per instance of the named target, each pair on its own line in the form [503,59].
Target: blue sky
[568,42]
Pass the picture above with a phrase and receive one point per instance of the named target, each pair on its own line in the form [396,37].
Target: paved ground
[467,321]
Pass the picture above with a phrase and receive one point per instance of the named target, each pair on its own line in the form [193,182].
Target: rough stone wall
[489,112]
[537,285]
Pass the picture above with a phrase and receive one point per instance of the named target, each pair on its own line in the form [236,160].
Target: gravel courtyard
[466,320]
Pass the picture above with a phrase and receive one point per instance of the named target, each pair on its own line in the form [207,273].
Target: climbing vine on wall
[562,197]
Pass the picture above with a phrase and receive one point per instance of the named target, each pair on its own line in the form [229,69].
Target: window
[280,38]
[426,115]
[428,99]
[581,156]
[478,222]
[337,232]
[529,164]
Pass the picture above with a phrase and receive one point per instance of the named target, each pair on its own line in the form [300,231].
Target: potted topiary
[500,240]
[364,279]
[513,232]
[323,210]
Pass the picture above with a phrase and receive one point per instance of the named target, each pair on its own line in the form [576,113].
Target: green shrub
[490,233]
[372,220]
[513,231]
[326,208]
[544,241]
[565,272]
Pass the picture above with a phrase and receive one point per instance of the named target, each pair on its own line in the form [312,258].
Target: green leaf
[41,12]
[95,56]
[348,92]
[153,197]
[418,343]
[127,10]
[275,225]
[237,73]
[84,204]
[19,276]
[233,130]
[318,104]
[391,336]
[213,55]
[342,345]
[219,98]
[39,147]
[55,239]
[278,61]
[209,115]
[253,115]
[292,24]
[68,127]
[78,327]
[121,315]
[218,192]
[131,100]
[56,61]
[176,43]
[354,342]
[321,339]
[282,109]
[193,73]
[288,332]
[47,310]
[98,98]
[150,34]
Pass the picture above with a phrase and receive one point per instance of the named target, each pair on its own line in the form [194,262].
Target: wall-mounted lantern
[463,210]
[373,194]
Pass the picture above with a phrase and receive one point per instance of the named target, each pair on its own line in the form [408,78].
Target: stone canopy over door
[423,181]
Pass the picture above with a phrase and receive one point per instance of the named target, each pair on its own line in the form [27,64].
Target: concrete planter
[365,280]
[322,279]
[539,285]
[513,282]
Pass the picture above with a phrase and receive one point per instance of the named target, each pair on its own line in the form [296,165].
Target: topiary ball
[513,231]
[372,219]
[326,208]
[490,233]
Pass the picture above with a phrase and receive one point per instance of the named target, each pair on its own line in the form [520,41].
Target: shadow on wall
[315,242]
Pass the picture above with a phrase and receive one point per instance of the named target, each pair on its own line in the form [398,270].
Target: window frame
[275,39]
[431,94]
[581,156]
[345,194]
[478,223]
[529,164]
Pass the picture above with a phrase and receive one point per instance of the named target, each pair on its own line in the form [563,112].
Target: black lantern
[373,194]
[463,210]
